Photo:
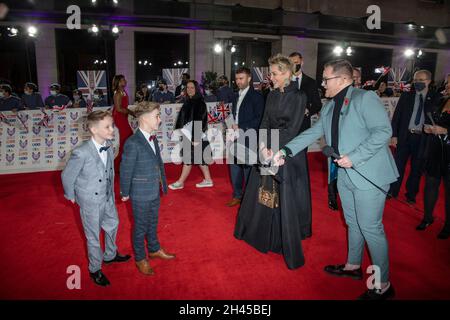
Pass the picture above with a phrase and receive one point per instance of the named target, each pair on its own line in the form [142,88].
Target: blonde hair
[282,62]
[96,116]
[145,107]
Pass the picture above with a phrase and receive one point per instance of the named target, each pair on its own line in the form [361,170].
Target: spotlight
[32,31]
[218,48]
[116,1]
[149,63]
[149,86]
[13,31]
[338,50]
[175,64]
[233,49]
[115,30]
[187,62]
[243,63]
[94,1]
[419,54]
[236,63]
[180,63]
[349,51]
[422,27]
[145,62]
[104,61]
[410,26]
[96,61]
[408,53]
[140,62]
[94,29]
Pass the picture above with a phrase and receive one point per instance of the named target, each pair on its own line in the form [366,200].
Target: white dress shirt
[242,94]
[147,137]
[104,154]
[298,78]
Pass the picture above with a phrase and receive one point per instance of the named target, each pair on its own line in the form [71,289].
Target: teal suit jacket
[364,134]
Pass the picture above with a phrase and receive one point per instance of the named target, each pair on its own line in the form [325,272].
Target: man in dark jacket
[407,132]
[248,109]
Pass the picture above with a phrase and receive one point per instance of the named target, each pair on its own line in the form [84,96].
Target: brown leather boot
[234,202]
[161,254]
[144,267]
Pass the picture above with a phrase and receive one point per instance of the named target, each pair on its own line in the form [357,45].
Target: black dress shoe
[423,225]
[99,278]
[444,234]
[333,205]
[375,294]
[119,258]
[338,271]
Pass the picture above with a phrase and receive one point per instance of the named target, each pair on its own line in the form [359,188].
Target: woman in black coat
[437,166]
[281,229]
[195,144]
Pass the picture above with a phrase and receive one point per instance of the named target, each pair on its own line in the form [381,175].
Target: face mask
[207,92]
[96,96]
[53,92]
[419,86]
[2,94]
[28,93]
[298,67]
[76,97]
[161,88]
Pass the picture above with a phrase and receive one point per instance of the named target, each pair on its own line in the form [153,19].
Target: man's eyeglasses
[324,80]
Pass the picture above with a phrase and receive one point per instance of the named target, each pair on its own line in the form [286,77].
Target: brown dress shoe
[161,254]
[234,202]
[144,267]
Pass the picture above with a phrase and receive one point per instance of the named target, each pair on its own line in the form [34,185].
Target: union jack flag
[173,77]
[45,120]
[260,74]
[62,107]
[88,81]
[89,106]
[4,119]
[219,112]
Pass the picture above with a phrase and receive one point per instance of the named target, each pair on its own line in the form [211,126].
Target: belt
[415,131]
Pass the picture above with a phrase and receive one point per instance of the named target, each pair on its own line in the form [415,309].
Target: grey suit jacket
[141,170]
[364,134]
[85,178]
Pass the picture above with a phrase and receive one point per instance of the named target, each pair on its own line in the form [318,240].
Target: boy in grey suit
[141,174]
[88,180]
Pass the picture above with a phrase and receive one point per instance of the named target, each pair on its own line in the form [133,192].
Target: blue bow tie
[104,148]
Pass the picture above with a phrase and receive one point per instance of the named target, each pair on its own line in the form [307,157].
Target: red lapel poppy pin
[346,101]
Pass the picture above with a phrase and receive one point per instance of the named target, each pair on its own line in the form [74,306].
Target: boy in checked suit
[88,180]
[141,173]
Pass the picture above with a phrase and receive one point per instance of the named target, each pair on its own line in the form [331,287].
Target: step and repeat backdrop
[36,140]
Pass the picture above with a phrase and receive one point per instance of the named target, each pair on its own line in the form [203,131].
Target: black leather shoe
[374,294]
[119,258]
[443,235]
[423,225]
[333,205]
[99,278]
[338,271]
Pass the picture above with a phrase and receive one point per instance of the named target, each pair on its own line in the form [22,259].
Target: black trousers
[332,191]
[431,195]
[409,149]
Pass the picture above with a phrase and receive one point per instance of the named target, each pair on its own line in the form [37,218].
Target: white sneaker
[205,184]
[176,186]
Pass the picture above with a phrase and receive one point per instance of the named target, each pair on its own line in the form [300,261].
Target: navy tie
[419,110]
[104,149]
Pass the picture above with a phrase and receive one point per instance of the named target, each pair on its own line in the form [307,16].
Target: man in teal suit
[357,126]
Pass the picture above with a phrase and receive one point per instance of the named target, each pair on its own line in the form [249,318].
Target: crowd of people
[32,99]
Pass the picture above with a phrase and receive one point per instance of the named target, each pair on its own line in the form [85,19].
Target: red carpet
[41,235]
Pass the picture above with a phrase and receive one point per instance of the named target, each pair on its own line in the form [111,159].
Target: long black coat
[280,230]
